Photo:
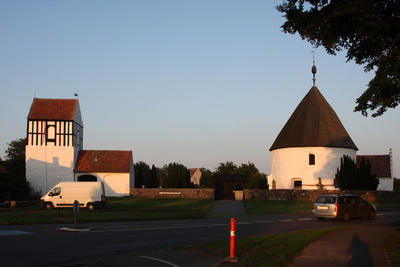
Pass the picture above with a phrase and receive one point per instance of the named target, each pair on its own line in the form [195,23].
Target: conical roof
[313,124]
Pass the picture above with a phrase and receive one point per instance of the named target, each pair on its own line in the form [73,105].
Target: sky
[193,82]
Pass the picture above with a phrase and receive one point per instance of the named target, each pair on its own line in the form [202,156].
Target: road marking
[289,220]
[15,232]
[390,213]
[305,219]
[155,259]
[264,221]
[243,223]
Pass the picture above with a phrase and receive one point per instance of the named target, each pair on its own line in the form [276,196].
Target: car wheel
[346,216]
[48,205]
[371,215]
[320,218]
[90,206]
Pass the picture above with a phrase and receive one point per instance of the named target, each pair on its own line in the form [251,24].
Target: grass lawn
[116,210]
[260,207]
[270,250]
[392,246]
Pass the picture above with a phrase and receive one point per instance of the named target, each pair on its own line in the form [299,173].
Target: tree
[141,174]
[368,29]
[13,183]
[255,179]
[178,176]
[15,156]
[365,179]
[226,168]
[206,180]
[351,177]
[346,174]
[153,181]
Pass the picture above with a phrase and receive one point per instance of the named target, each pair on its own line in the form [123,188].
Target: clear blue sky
[195,82]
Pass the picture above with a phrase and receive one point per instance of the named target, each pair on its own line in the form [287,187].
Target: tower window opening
[311,159]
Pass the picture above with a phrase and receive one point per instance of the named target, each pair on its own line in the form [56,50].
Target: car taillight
[336,207]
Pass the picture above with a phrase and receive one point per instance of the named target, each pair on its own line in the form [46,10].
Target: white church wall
[291,164]
[115,184]
[48,165]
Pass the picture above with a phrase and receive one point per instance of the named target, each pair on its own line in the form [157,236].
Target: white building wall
[115,184]
[48,165]
[290,164]
[385,184]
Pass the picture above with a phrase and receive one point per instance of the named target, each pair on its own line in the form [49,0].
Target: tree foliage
[178,176]
[206,180]
[145,176]
[226,168]
[368,29]
[13,183]
[351,177]
[15,156]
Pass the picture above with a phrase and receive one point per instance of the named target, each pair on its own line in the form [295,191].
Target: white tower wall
[292,164]
[48,165]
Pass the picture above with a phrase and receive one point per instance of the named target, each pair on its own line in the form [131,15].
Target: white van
[90,195]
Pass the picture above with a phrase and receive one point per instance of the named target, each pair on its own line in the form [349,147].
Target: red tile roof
[380,164]
[52,109]
[103,161]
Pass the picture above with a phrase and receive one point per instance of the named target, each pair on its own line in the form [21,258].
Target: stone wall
[185,192]
[311,195]
[264,194]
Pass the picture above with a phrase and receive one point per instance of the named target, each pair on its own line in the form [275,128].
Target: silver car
[344,207]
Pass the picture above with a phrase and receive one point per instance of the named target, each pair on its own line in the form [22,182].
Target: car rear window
[326,199]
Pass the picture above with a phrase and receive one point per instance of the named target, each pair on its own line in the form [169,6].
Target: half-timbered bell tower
[55,136]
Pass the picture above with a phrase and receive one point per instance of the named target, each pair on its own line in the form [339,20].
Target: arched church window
[51,133]
[311,159]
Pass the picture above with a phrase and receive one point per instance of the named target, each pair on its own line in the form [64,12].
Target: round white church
[310,146]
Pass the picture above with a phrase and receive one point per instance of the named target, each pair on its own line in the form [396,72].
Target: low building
[112,167]
[195,175]
[381,167]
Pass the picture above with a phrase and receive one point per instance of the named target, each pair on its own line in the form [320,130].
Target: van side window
[55,192]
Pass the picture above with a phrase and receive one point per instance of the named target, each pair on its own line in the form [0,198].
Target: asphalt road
[46,245]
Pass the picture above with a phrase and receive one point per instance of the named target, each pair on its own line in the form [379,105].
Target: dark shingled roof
[103,161]
[53,109]
[380,164]
[313,124]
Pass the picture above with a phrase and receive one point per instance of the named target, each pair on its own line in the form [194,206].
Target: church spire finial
[313,69]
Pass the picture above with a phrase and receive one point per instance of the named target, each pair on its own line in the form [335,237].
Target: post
[233,229]
[75,207]
[231,257]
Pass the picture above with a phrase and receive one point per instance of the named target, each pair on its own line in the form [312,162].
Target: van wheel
[346,216]
[90,206]
[48,205]
[371,215]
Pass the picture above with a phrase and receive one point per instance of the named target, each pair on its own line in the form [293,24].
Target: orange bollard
[233,229]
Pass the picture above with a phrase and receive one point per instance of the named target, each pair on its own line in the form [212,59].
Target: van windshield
[326,199]
[55,192]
